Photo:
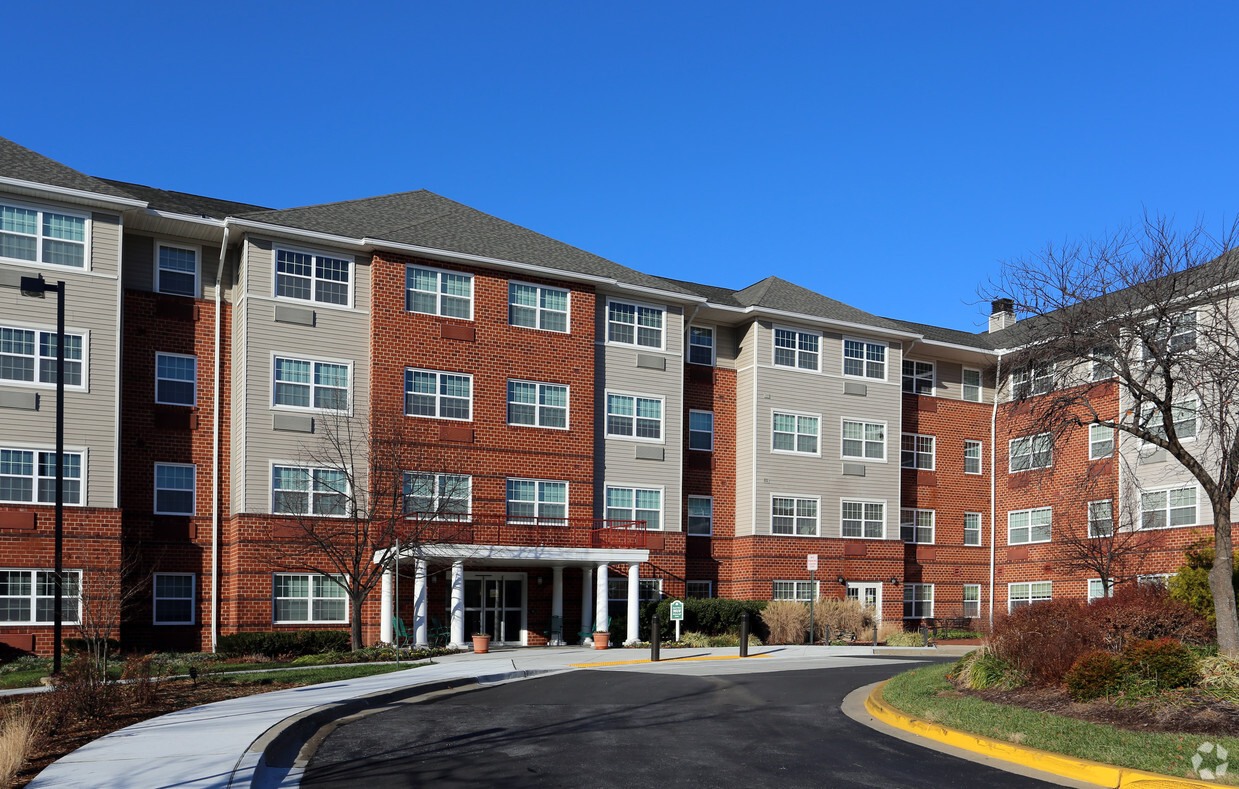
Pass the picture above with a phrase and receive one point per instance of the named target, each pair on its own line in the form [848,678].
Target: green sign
[677,610]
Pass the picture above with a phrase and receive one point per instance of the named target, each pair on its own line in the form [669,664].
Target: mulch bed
[1181,711]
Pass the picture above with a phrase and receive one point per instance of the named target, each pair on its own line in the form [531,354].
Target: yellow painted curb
[664,660]
[1064,766]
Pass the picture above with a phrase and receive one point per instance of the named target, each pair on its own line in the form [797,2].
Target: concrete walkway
[253,741]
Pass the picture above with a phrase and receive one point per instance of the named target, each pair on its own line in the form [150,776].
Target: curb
[1070,767]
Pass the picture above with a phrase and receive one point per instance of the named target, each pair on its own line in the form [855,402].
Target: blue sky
[886,154]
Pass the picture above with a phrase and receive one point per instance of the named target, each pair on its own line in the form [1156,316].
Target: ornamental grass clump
[19,730]
[841,616]
[787,621]
[982,669]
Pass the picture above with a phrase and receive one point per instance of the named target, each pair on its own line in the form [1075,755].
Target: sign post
[677,616]
[812,562]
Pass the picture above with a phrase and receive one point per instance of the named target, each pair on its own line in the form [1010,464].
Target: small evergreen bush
[1094,675]
[1165,662]
[712,615]
[283,643]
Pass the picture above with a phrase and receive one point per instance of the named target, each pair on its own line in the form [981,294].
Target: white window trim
[980,530]
[933,377]
[709,588]
[438,313]
[155,483]
[197,267]
[33,571]
[294,464]
[1032,453]
[634,345]
[1167,489]
[688,514]
[964,601]
[275,273]
[886,359]
[930,601]
[1089,590]
[933,455]
[980,456]
[1088,517]
[193,599]
[933,525]
[885,510]
[309,620]
[662,419]
[662,502]
[713,345]
[37,448]
[539,310]
[796,414]
[36,383]
[38,261]
[438,396]
[815,590]
[817,521]
[1030,540]
[861,458]
[692,411]
[812,333]
[194,404]
[1028,593]
[310,409]
[537,407]
[537,517]
[980,385]
[1031,372]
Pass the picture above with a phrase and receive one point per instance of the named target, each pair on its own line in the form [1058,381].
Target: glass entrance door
[495,604]
[868,595]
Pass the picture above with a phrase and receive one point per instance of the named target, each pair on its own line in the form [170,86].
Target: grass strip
[927,694]
[313,675]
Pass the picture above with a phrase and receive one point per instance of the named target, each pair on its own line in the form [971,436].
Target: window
[795,433]
[864,440]
[30,596]
[1162,508]
[918,601]
[537,307]
[308,491]
[1031,452]
[303,597]
[174,598]
[972,528]
[648,589]
[534,500]
[633,416]
[40,236]
[699,589]
[864,359]
[918,377]
[917,452]
[865,519]
[307,276]
[972,457]
[174,489]
[633,324]
[701,430]
[1096,591]
[1025,526]
[795,590]
[1100,518]
[793,516]
[438,395]
[1104,364]
[1182,413]
[1100,442]
[433,292]
[1019,595]
[302,383]
[916,526]
[971,390]
[446,497]
[700,515]
[176,379]
[1035,380]
[1174,336]
[1155,579]
[701,345]
[636,504]
[29,355]
[28,476]
[972,601]
[176,271]
[537,404]
[799,349]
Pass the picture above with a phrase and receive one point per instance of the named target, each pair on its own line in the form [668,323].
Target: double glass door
[495,604]
[868,595]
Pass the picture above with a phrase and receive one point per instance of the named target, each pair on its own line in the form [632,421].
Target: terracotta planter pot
[602,640]
[481,644]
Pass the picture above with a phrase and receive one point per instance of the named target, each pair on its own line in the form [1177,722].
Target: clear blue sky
[885,154]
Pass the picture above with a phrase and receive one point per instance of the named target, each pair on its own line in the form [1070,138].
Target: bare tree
[358,489]
[1149,309]
[104,600]
[1115,553]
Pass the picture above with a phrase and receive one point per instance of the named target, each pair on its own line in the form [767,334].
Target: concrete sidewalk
[252,741]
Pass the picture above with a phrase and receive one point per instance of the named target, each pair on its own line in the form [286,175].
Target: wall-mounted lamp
[842,581]
[894,581]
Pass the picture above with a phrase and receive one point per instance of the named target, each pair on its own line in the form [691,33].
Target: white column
[587,605]
[458,604]
[602,614]
[385,608]
[557,602]
[634,594]
[419,604]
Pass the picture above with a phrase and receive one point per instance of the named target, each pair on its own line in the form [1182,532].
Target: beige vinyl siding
[725,348]
[745,338]
[105,235]
[258,277]
[949,378]
[240,360]
[745,378]
[140,262]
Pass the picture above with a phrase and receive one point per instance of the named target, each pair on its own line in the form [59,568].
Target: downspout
[215,442]
[993,506]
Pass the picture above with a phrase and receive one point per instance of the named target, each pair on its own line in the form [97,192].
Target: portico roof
[539,555]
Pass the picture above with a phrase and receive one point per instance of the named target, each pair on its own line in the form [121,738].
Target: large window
[794,516]
[918,601]
[537,307]
[28,476]
[916,526]
[297,490]
[972,601]
[917,452]
[436,292]
[865,519]
[864,359]
[636,504]
[532,500]
[176,270]
[864,440]
[303,597]
[1104,364]
[175,491]
[174,599]
[39,236]
[701,345]
[437,394]
[635,324]
[1020,595]
[972,528]
[799,349]
[1174,335]
[176,379]
[701,430]
[1025,526]
[1036,380]
[302,383]
[1100,518]
[30,596]
[437,496]
[1100,442]
[537,404]
[802,591]
[1031,452]
[1182,414]
[1163,508]
[918,377]
[29,356]
[307,276]
[633,416]
[971,390]
[700,515]
[795,433]
[972,456]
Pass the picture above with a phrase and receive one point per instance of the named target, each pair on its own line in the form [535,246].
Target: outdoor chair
[438,634]
[400,633]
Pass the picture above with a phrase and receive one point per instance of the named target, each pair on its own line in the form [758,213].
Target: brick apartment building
[549,399]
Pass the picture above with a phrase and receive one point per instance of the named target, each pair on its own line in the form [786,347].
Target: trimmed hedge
[283,643]
[713,616]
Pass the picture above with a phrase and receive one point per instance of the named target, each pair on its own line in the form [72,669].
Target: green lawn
[315,674]
[925,693]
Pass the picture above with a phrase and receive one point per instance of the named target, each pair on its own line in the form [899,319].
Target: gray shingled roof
[184,203]
[982,340]
[26,165]
[426,219]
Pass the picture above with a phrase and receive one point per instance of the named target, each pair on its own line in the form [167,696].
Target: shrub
[1046,639]
[282,643]
[1190,585]
[79,645]
[905,639]
[1218,672]
[1142,612]
[1165,662]
[140,679]
[1094,675]
[701,640]
[787,621]
[981,669]
[713,616]
[841,616]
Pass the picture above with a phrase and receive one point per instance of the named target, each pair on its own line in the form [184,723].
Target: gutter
[993,505]
[80,194]
[215,440]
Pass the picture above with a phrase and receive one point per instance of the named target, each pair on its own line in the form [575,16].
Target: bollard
[925,635]
[826,635]
[875,634]
[744,634]
[655,639]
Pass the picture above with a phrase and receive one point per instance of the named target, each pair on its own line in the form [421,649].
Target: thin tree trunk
[1221,582]
[354,627]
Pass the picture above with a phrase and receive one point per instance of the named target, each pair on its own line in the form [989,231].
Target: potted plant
[602,638]
[481,643]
